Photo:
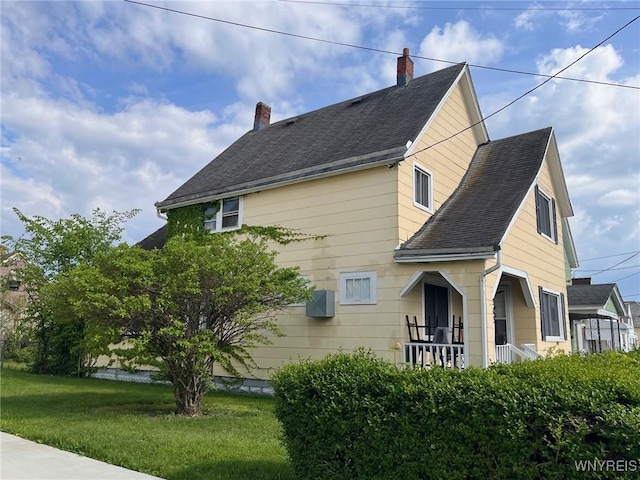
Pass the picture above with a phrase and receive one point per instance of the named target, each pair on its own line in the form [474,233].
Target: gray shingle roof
[371,128]
[478,213]
[589,295]
[155,240]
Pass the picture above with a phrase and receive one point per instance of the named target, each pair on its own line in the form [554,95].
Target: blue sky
[114,104]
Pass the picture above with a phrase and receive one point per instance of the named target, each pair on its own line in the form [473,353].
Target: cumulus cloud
[460,42]
[621,197]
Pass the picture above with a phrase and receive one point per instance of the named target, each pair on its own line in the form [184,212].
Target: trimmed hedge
[355,416]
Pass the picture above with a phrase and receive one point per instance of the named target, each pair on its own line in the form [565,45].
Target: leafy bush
[356,416]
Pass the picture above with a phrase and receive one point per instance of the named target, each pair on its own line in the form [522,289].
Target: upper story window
[227,216]
[552,316]
[546,215]
[422,188]
[358,288]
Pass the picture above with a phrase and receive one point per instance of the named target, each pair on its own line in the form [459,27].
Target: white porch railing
[427,355]
[509,353]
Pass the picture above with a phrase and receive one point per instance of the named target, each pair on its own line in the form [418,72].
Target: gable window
[422,188]
[226,216]
[552,316]
[546,215]
[358,288]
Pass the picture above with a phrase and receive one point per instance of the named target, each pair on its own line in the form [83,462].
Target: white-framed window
[546,215]
[552,316]
[358,288]
[422,188]
[227,217]
[307,279]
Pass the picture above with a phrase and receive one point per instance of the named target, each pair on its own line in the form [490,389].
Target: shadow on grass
[236,470]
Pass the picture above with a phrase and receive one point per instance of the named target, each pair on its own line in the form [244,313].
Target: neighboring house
[440,246]
[633,320]
[13,297]
[599,318]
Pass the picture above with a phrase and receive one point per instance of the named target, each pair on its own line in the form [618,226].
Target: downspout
[483,309]
[160,215]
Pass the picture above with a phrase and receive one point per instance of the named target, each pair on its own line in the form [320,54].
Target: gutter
[483,307]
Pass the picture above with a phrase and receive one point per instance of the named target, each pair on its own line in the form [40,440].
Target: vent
[323,304]
[291,121]
[356,101]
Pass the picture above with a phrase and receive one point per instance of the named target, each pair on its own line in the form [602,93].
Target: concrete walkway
[22,459]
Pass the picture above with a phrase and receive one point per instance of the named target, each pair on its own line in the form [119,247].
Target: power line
[421,7]
[378,50]
[613,266]
[608,269]
[628,276]
[608,256]
[482,120]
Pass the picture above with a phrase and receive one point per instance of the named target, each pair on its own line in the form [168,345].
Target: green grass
[133,425]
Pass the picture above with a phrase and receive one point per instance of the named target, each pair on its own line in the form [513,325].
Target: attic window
[422,188]
[227,215]
[546,215]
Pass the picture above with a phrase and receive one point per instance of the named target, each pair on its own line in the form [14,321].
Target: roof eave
[443,255]
[388,157]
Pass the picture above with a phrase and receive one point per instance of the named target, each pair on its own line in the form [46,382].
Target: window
[552,316]
[307,280]
[422,188]
[358,288]
[546,216]
[226,216]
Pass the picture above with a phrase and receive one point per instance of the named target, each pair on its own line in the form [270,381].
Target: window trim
[553,226]
[562,324]
[219,216]
[371,275]
[419,168]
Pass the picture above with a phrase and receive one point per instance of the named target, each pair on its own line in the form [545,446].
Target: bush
[356,416]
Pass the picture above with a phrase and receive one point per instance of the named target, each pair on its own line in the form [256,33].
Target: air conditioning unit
[323,304]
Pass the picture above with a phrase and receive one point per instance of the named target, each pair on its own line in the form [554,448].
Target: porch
[431,345]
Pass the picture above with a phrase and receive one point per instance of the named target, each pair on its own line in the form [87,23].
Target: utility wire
[422,7]
[628,276]
[378,50]
[482,120]
[608,269]
[608,256]
[619,263]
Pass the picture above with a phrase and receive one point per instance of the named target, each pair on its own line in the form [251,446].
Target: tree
[200,300]
[50,249]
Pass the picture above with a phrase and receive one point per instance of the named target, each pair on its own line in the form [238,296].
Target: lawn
[133,425]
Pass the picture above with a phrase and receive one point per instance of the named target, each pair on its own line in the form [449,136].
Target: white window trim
[219,216]
[427,208]
[551,214]
[371,275]
[307,278]
[551,338]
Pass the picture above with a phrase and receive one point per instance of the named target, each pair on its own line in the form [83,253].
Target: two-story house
[440,246]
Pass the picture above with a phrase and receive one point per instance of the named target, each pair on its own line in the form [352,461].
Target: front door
[436,311]
[500,317]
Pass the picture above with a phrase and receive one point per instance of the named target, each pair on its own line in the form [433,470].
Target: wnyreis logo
[597,465]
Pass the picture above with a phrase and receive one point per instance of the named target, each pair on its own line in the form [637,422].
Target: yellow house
[440,246]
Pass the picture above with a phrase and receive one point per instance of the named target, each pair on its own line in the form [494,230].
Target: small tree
[49,250]
[200,300]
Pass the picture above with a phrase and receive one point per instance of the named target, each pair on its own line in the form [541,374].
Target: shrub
[357,416]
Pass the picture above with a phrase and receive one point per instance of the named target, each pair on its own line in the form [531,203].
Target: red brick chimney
[405,68]
[263,116]
[581,281]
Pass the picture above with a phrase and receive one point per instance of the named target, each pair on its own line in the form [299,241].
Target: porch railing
[428,355]
[509,353]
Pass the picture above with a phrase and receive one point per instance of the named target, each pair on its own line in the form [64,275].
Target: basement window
[227,217]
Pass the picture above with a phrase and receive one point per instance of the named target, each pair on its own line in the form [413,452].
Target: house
[439,245]
[13,296]
[600,320]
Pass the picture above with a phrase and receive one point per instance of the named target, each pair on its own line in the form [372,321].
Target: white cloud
[621,197]
[572,21]
[460,42]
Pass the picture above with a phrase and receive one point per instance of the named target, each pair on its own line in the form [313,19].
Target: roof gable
[458,226]
[355,133]
[596,296]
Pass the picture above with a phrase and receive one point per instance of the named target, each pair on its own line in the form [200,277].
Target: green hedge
[354,416]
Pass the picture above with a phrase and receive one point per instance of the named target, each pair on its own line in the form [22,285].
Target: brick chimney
[405,68]
[263,116]
[581,281]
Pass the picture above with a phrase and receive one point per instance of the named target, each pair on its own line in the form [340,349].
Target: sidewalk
[22,459]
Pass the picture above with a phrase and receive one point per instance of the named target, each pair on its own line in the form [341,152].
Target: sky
[113,105]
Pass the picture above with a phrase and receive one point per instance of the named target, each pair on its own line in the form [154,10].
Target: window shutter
[562,318]
[538,209]
[555,222]
[543,308]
